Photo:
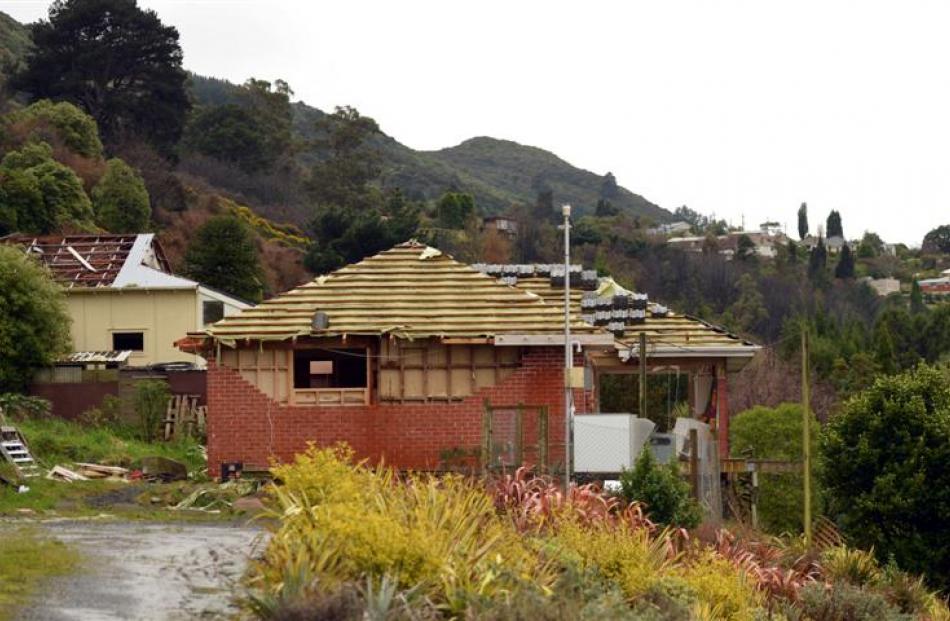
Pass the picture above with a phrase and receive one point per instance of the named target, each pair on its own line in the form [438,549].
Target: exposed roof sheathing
[410,291]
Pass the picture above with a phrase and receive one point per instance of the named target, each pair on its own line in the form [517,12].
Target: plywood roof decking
[412,291]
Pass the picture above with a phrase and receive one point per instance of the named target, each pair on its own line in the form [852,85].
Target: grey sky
[738,108]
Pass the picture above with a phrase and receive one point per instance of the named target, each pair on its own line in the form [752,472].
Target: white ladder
[13,448]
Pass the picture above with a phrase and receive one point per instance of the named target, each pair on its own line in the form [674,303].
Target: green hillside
[498,173]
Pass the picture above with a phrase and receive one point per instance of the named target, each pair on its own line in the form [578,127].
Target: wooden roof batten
[410,291]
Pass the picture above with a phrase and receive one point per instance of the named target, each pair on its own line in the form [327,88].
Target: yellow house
[122,295]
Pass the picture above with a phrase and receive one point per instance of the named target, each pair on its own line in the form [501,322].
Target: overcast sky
[733,108]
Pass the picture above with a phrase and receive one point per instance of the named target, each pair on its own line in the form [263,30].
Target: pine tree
[222,255]
[833,225]
[845,267]
[803,221]
[916,299]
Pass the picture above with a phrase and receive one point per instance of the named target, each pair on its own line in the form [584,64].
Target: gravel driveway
[151,571]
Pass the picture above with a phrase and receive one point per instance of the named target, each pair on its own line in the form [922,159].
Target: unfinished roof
[625,313]
[410,291]
[91,261]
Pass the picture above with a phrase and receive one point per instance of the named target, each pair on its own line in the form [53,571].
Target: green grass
[55,441]
[58,442]
[25,560]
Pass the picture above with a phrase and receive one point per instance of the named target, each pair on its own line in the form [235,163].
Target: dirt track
[151,571]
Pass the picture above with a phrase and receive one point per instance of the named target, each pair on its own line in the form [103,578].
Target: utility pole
[643,375]
[568,350]
[806,435]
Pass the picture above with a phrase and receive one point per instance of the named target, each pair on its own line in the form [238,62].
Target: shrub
[845,602]
[775,433]
[121,200]
[60,122]
[34,323]
[660,488]
[16,406]
[884,469]
[151,401]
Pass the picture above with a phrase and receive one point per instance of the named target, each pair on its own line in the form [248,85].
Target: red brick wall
[246,425]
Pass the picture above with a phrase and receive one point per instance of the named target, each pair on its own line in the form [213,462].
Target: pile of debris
[87,472]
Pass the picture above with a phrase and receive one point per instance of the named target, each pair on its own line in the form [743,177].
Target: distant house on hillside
[937,287]
[672,228]
[502,224]
[122,295]
[765,243]
[883,287]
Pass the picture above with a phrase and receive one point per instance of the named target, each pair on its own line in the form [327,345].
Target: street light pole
[568,353]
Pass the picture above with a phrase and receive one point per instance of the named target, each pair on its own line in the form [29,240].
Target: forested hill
[498,173]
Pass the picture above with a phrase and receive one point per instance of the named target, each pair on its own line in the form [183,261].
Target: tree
[454,210]
[120,199]
[871,245]
[222,255]
[845,267]
[660,488]
[34,323]
[45,195]
[937,240]
[348,235]
[605,209]
[745,248]
[818,261]
[884,466]
[775,433]
[114,60]
[609,188]
[252,134]
[803,221]
[343,178]
[833,225]
[748,311]
[57,123]
[916,299]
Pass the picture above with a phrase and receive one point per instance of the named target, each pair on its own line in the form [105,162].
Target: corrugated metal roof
[411,291]
[97,356]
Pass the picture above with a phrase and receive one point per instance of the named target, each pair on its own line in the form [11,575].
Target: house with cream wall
[122,295]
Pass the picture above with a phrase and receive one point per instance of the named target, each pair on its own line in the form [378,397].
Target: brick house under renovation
[399,356]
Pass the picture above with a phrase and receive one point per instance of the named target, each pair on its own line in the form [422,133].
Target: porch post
[722,409]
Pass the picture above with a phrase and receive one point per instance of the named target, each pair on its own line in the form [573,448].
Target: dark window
[128,340]
[339,368]
[212,311]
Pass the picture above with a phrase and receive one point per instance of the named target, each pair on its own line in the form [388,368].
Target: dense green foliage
[57,123]
[885,470]
[845,266]
[120,199]
[833,226]
[39,194]
[117,62]
[937,240]
[662,491]
[222,255]
[803,221]
[353,219]
[34,324]
[252,132]
[775,433]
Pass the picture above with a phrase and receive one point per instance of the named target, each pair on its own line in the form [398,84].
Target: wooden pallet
[184,417]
